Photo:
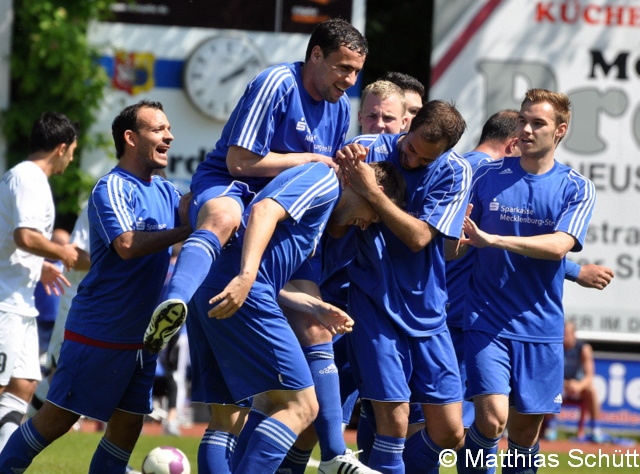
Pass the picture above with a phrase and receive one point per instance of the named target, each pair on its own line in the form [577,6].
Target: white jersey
[25,202]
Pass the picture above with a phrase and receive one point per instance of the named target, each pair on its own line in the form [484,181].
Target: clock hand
[233,74]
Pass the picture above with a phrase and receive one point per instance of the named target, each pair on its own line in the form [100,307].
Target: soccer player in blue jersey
[290,114]
[497,140]
[528,213]
[103,371]
[403,352]
[247,338]
[382,110]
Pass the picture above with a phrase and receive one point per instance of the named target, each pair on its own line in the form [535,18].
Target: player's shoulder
[25,172]
[453,158]
[570,172]
[163,183]
[116,182]
[275,76]
[378,143]
[476,157]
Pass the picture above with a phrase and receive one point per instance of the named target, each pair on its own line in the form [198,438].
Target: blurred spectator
[579,370]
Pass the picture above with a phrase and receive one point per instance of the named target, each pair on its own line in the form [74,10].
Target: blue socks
[109,459]
[421,455]
[366,433]
[328,423]
[215,452]
[198,253]
[24,444]
[295,462]
[254,418]
[523,459]
[267,447]
[475,445]
[386,455]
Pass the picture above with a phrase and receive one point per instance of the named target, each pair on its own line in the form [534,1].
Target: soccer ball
[166,460]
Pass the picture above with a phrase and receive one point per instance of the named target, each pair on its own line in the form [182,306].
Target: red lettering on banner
[572,11]
[592,20]
[543,12]
[614,15]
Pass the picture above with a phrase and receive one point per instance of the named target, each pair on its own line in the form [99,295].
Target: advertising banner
[488,53]
[617,382]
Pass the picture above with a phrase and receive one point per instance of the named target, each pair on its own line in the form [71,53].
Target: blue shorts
[207,184]
[457,338]
[529,373]
[93,381]
[349,392]
[391,366]
[255,349]
[310,269]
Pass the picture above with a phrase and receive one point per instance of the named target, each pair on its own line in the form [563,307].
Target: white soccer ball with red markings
[166,460]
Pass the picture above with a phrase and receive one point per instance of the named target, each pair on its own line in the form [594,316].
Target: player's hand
[231,298]
[327,160]
[69,255]
[360,177]
[475,236]
[351,152]
[594,276]
[333,318]
[52,279]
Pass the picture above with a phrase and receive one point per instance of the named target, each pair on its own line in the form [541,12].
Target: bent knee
[491,426]
[309,411]
[452,438]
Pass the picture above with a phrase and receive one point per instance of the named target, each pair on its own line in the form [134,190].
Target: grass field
[72,454]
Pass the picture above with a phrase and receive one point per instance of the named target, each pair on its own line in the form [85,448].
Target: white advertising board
[147,55]
[492,51]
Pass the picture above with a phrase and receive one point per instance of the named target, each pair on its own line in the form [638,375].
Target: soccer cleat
[167,319]
[345,463]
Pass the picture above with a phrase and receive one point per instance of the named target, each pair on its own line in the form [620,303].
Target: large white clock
[217,72]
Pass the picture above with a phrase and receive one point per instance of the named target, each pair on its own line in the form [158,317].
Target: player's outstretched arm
[243,163]
[553,246]
[34,242]
[263,219]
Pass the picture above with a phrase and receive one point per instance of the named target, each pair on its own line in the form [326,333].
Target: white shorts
[18,348]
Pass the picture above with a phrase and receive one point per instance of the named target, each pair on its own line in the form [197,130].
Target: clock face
[217,72]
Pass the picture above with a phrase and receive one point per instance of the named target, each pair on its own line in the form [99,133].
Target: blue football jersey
[409,286]
[277,114]
[117,297]
[308,193]
[459,270]
[512,295]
